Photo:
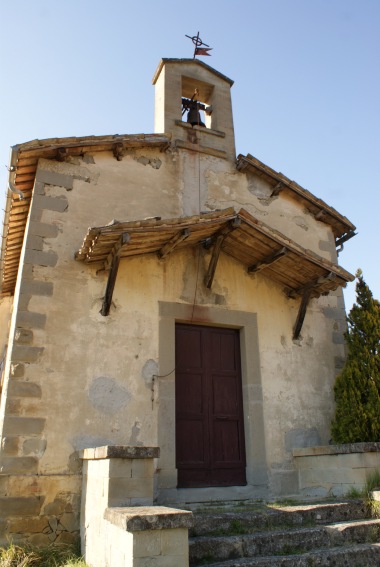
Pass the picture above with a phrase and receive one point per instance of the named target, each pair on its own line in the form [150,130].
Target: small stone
[39,539]
[69,522]
[53,523]
[30,525]
[66,537]
[54,508]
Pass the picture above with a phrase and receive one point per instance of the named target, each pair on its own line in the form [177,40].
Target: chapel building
[158,290]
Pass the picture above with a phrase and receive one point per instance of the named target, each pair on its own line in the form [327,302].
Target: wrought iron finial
[200,47]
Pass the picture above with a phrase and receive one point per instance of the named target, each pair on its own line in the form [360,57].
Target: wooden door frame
[169,314]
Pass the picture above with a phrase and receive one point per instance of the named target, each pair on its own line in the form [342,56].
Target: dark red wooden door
[210,447]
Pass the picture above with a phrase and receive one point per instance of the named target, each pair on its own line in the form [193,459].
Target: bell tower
[193,103]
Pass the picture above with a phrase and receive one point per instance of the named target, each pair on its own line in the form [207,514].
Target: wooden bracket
[293,293]
[271,259]
[118,151]
[173,243]
[320,215]
[112,262]
[307,292]
[219,238]
[61,154]
[277,189]
[301,313]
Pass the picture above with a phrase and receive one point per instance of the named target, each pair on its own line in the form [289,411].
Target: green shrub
[357,388]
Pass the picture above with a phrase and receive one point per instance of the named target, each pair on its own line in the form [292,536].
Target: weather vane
[199,49]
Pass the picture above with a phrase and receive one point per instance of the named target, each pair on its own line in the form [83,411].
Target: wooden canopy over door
[257,246]
[210,447]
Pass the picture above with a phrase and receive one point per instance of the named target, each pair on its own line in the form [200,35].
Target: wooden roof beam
[219,238]
[173,243]
[293,293]
[113,260]
[344,238]
[269,260]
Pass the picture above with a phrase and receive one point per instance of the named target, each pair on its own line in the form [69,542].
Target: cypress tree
[357,388]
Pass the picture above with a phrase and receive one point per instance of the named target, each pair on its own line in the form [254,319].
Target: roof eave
[165,60]
[249,162]
[59,148]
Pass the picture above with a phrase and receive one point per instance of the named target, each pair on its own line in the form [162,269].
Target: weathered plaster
[107,396]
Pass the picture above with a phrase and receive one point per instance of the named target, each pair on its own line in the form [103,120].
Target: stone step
[282,542]
[362,555]
[247,518]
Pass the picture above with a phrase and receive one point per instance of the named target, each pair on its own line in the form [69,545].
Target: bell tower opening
[193,104]
[197,102]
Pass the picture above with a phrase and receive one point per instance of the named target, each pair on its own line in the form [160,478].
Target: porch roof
[239,234]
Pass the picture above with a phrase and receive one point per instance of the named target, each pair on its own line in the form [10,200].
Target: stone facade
[74,379]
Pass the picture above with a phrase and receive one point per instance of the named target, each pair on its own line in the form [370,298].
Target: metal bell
[193,116]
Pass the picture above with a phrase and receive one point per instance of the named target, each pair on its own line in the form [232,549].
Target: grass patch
[373,534]
[285,502]
[55,555]
[289,550]
[355,493]
[236,506]
[372,483]
[207,559]
[235,528]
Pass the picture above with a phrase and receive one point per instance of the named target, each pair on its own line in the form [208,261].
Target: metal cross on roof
[199,49]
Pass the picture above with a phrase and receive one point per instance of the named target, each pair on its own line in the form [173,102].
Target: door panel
[210,447]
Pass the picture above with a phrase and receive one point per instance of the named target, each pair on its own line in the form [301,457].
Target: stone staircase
[330,534]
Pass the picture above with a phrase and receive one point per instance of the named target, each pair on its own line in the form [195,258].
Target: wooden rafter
[271,259]
[344,238]
[173,243]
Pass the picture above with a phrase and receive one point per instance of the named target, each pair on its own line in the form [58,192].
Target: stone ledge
[119,452]
[143,518]
[203,130]
[345,449]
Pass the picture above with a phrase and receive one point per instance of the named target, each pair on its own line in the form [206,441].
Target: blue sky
[306,94]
